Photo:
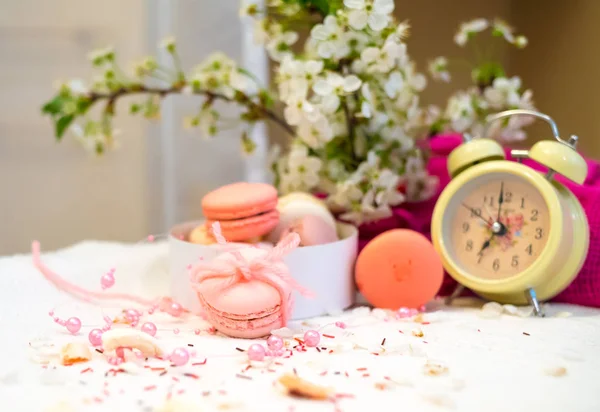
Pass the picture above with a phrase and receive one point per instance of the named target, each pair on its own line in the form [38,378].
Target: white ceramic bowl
[326,270]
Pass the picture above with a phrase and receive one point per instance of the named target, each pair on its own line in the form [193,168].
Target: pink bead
[256,352]
[62,322]
[149,328]
[312,338]
[274,342]
[422,308]
[150,311]
[404,312]
[107,281]
[132,315]
[340,325]
[95,337]
[51,313]
[150,238]
[73,325]
[197,331]
[175,309]
[176,331]
[55,319]
[120,353]
[180,356]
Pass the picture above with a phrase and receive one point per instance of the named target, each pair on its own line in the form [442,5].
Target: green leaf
[62,124]
[83,105]
[54,106]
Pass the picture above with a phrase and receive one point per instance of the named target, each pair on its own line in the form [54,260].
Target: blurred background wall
[58,194]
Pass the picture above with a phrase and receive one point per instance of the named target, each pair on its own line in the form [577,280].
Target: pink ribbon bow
[264,268]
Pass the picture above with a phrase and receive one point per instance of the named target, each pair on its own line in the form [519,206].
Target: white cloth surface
[504,363]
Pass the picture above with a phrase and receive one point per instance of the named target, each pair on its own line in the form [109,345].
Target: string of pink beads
[73,324]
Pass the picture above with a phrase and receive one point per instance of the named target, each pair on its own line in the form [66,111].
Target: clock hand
[473,211]
[500,201]
[486,244]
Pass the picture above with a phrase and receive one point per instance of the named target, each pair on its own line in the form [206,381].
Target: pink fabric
[585,289]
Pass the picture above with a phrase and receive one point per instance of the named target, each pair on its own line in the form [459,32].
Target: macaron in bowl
[295,206]
[244,210]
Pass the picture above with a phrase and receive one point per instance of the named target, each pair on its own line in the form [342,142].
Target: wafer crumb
[299,387]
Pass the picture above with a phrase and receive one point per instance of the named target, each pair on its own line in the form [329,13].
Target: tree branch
[112,97]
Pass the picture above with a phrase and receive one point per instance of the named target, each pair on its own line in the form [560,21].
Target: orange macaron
[399,268]
[244,210]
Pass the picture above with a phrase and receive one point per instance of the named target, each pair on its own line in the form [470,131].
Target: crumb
[418,318]
[418,333]
[381,386]
[434,369]
[557,372]
[73,353]
[296,386]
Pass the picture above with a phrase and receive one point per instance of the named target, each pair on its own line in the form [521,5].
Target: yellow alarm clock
[506,231]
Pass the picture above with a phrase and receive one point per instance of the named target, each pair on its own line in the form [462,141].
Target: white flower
[438,68]
[394,84]
[460,111]
[419,184]
[383,60]
[333,86]
[248,9]
[501,28]
[279,45]
[100,56]
[468,29]
[303,170]
[93,139]
[78,87]
[346,193]
[356,40]
[168,43]
[402,30]
[337,84]
[298,109]
[207,120]
[241,82]
[503,92]
[375,13]
[521,42]
[315,134]
[329,39]
[263,29]
[368,105]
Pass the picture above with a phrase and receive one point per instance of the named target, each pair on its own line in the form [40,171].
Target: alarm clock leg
[455,293]
[532,298]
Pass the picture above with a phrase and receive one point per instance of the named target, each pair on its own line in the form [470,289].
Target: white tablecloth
[505,363]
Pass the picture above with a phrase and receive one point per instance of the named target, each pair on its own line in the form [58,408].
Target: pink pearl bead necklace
[73,324]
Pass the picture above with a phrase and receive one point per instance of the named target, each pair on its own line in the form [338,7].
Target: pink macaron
[244,210]
[247,308]
[313,231]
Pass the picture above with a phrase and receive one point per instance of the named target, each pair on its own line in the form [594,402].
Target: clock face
[498,226]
